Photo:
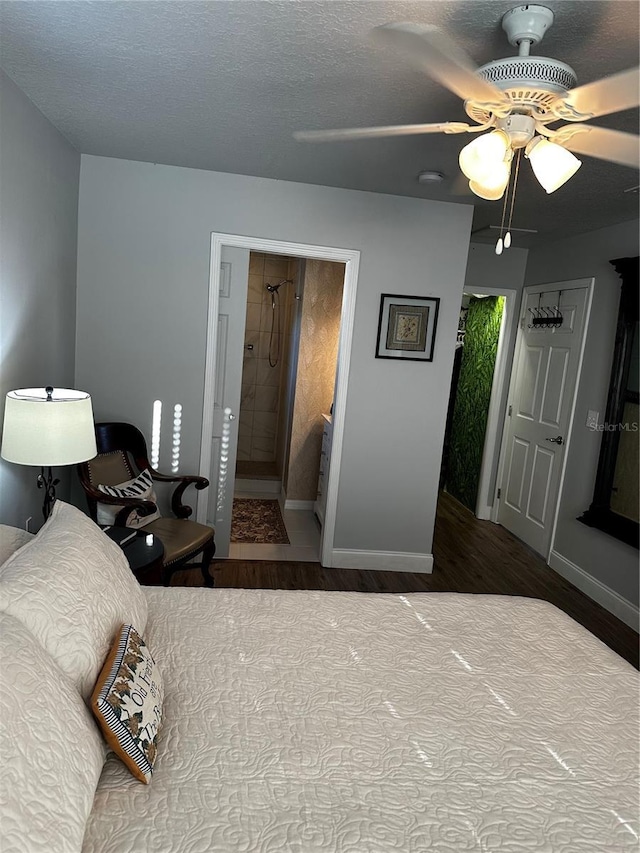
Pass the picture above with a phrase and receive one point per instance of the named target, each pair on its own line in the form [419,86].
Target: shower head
[274,288]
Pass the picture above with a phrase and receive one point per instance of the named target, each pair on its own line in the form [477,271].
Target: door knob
[558,440]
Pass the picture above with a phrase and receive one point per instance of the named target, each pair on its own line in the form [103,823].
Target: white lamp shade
[552,164]
[47,432]
[484,154]
[492,184]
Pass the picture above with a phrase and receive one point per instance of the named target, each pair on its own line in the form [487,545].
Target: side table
[144,553]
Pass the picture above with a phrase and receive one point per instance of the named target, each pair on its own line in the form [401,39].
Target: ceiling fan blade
[343,134]
[601,142]
[442,59]
[609,95]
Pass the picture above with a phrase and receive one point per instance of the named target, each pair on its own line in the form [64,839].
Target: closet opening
[477,401]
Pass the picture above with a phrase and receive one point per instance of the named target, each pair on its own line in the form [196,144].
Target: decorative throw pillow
[127,702]
[140,487]
[72,587]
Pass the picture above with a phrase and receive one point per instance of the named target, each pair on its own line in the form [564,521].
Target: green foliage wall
[473,394]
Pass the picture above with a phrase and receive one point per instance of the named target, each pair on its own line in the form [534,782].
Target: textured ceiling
[223,85]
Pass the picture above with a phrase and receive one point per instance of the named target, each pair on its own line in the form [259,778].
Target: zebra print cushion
[140,487]
[127,702]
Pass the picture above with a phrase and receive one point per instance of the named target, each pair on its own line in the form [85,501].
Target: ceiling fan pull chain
[507,236]
[500,243]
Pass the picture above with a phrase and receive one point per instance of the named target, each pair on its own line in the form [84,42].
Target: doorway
[290,356]
[227,314]
[473,432]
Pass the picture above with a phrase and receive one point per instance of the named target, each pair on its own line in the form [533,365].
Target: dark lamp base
[46,482]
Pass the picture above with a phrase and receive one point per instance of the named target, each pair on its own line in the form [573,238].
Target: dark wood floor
[470,556]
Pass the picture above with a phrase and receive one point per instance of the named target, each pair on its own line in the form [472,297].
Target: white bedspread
[363,723]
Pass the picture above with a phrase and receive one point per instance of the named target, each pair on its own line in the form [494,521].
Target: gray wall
[39,176]
[603,557]
[143,270]
[486,269]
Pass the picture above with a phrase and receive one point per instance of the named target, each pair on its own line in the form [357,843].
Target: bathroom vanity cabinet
[325,455]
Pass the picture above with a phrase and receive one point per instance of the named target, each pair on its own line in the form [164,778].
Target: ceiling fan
[516,99]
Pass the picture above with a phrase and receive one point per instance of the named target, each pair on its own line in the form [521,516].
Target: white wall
[610,562]
[39,176]
[143,256]
[486,269]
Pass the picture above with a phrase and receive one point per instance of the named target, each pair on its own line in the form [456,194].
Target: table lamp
[47,427]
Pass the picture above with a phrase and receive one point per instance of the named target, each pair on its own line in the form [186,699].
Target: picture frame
[407,327]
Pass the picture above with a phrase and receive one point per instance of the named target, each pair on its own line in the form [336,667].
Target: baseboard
[483,512]
[268,487]
[381,561]
[595,589]
[298,504]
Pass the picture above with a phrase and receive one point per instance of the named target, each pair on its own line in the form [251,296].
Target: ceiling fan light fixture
[484,154]
[491,187]
[552,164]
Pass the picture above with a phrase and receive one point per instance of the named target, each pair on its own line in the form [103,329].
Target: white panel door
[541,402]
[234,280]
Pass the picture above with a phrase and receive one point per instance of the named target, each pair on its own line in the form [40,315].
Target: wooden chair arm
[128,504]
[143,508]
[179,509]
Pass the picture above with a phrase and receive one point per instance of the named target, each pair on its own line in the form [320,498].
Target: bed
[362,723]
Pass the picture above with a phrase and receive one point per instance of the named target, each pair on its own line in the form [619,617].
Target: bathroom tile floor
[303,531]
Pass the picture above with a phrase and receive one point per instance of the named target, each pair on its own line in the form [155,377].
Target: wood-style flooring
[469,556]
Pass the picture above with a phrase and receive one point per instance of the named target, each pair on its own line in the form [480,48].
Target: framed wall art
[407,327]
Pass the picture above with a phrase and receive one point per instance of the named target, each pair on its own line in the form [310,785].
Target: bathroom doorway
[225,356]
[289,369]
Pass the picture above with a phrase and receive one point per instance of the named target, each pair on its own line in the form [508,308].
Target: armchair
[122,455]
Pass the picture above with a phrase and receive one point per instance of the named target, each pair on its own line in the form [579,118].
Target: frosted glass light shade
[552,164]
[46,432]
[492,184]
[483,154]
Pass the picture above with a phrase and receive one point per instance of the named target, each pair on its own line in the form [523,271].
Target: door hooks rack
[546,316]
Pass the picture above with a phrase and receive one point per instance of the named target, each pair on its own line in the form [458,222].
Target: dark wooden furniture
[623,390]
[122,455]
[144,553]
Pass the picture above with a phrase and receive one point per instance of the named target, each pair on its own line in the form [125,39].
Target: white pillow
[52,752]
[72,587]
[11,538]
[139,487]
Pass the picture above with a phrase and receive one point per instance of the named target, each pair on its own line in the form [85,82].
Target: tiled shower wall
[257,430]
